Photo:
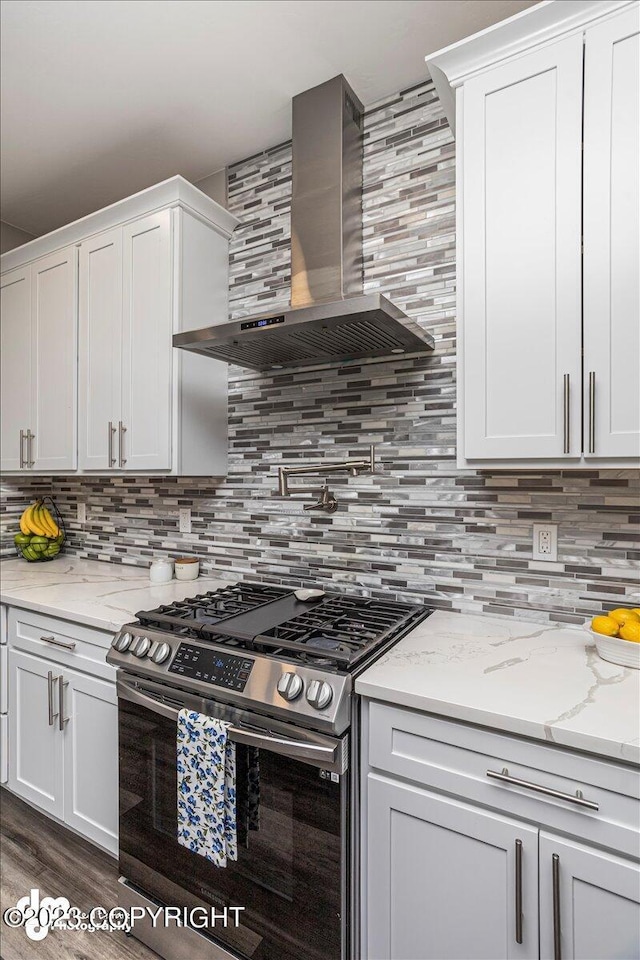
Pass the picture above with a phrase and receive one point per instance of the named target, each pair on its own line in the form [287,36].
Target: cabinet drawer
[66,643]
[4,679]
[455,758]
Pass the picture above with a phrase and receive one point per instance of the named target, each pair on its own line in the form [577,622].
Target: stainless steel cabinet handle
[121,432]
[592,411]
[30,438]
[61,717]
[112,430]
[518,891]
[22,462]
[50,682]
[59,643]
[555,874]
[576,797]
[567,412]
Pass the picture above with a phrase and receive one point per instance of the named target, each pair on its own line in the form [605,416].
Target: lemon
[631,631]
[622,616]
[605,625]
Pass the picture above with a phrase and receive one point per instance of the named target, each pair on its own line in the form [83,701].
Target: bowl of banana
[41,532]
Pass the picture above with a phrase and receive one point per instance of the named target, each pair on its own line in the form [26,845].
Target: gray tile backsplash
[420,528]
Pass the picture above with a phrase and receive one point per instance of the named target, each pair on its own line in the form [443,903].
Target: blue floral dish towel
[206,787]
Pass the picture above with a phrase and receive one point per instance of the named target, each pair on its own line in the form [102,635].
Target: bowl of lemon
[617,636]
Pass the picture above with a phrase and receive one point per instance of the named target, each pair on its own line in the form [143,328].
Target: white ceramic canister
[161,570]
[187,568]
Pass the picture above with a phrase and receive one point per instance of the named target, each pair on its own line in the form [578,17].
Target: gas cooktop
[335,631]
[261,647]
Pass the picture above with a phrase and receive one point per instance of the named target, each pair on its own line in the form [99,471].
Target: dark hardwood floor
[36,852]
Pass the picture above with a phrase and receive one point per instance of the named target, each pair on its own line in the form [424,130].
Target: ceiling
[101,98]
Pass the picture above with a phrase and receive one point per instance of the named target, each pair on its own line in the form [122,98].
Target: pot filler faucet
[326,500]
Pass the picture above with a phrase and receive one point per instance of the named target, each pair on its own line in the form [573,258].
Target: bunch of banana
[40,537]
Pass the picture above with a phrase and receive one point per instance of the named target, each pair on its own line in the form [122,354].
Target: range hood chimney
[330,318]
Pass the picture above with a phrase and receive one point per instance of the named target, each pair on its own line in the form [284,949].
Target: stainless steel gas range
[279,666]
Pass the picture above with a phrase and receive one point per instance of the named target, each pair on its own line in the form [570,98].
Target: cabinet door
[35,742]
[520,212]
[147,360]
[54,361]
[611,237]
[597,898]
[100,352]
[443,880]
[91,757]
[15,370]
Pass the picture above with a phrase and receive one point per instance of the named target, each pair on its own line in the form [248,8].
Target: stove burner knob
[319,694]
[140,646]
[122,642]
[161,653]
[290,686]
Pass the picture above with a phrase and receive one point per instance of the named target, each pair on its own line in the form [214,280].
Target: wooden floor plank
[37,852]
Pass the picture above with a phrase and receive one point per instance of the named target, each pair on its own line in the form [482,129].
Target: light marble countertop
[543,682]
[103,595]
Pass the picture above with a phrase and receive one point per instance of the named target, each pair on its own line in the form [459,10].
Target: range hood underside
[354,328]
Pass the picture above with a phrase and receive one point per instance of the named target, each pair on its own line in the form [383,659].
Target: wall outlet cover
[545,541]
[82,512]
[184,522]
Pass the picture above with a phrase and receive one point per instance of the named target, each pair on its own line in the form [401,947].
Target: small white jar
[161,570]
[187,568]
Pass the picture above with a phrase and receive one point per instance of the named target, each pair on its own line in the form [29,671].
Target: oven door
[290,875]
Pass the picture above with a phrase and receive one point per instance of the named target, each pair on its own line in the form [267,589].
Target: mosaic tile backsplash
[420,528]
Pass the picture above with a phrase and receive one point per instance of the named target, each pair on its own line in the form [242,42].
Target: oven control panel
[210,666]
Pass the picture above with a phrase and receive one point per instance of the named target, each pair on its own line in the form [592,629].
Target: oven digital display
[255,324]
[210,666]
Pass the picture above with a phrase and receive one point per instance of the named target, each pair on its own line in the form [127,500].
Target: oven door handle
[330,754]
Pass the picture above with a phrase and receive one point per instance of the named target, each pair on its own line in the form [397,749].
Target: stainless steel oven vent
[330,319]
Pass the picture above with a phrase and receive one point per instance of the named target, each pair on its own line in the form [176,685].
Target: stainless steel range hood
[330,318]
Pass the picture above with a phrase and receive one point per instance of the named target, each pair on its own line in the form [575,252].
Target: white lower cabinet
[589,902]
[448,880]
[63,725]
[36,745]
[459,865]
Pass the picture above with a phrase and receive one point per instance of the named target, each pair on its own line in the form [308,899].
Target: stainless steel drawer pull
[567,412]
[60,643]
[592,411]
[61,717]
[22,460]
[112,430]
[30,438]
[50,682]
[576,797]
[555,874]
[518,891]
[121,432]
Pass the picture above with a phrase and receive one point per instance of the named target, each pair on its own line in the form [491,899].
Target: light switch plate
[82,512]
[545,541]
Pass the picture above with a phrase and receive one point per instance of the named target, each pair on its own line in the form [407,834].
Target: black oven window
[289,844]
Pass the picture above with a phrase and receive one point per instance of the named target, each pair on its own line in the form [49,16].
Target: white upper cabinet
[100,349]
[522,132]
[53,445]
[91,379]
[147,348]
[39,357]
[611,237]
[15,372]
[547,235]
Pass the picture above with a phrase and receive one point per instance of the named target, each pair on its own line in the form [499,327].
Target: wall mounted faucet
[326,500]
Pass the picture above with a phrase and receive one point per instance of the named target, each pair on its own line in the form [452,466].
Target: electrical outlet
[82,512]
[184,523]
[545,541]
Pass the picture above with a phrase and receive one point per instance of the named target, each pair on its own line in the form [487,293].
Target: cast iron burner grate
[187,616]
